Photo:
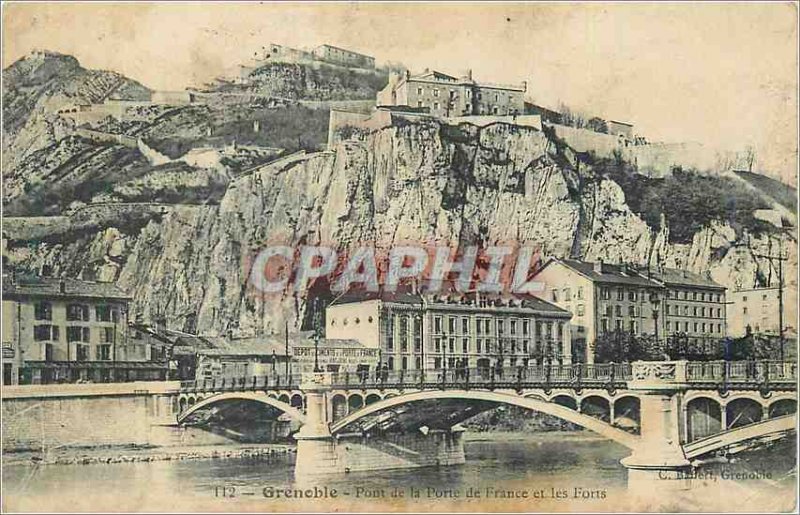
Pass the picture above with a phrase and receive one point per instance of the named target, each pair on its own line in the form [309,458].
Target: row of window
[697,327]
[77,312]
[102,352]
[356,321]
[467,94]
[694,311]
[47,332]
[693,295]
[455,362]
[491,326]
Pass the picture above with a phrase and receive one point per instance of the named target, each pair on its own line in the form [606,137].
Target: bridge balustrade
[716,373]
[741,372]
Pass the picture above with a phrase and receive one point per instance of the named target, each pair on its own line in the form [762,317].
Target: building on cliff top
[446,95]
[323,53]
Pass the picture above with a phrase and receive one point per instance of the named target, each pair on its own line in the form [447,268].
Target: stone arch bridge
[668,414]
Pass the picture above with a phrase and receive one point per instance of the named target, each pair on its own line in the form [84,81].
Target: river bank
[270,452]
[138,454]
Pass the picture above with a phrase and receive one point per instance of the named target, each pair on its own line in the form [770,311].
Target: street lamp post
[316,336]
[655,302]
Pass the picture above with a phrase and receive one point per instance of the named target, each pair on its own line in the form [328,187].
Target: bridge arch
[551,408]
[703,415]
[782,407]
[743,411]
[596,406]
[243,396]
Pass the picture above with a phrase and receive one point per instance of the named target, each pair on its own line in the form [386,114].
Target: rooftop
[36,286]
[451,297]
[640,276]
[617,274]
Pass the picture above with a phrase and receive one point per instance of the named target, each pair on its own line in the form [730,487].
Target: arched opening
[740,412]
[627,413]
[355,402]
[284,398]
[782,407]
[703,418]
[182,404]
[339,407]
[443,409]
[372,399]
[566,401]
[297,401]
[191,401]
[596,407]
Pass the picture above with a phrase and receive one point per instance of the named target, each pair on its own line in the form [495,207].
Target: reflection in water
[563,472]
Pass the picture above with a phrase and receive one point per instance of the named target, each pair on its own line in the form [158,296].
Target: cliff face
[37,86]
[410,183]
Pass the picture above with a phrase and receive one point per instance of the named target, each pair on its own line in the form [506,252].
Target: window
[77,313]
[694,295]
[609,311]
[618,310]
[106,314]
[580,310]
[703,329]
[104,352]
[404,363]
[618,324]
[605,293]
[43,311]
[744,299]
[694,311]
[419,91]
[77,334]
[500,327]
[580,292]
[45,332]
[420,103]
[744,310]
[437,324]
[525,327]
[764,297]
[686,311]
[695,327]
[436,105]
[478,345]
[403,334]
[632,295]
[106,334]
[82,352]
[465,326]
[465,345]
[719,298]
[513,327]
[496,97]
[451,345]
[437,345]
[632,326]
[702,296]
[719,313]
[417,334]
[525,346]
[620,294]
[567,294]
[631,311]
[555,295]
[686,327]
[604,325]
[719,328]
[436,92]
[389,332]
[451,324]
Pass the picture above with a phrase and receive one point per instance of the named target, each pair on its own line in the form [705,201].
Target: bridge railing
[741,372]
[488,377]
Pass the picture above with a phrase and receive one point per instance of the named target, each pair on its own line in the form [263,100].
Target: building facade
[448,96]
[604,298]
[261,357]
[343,57]
[425,331]
[68,330]
[757,309]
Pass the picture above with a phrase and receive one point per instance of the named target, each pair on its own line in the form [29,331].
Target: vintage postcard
[399,257]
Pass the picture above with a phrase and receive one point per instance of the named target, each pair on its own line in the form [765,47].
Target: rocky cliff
[412,182]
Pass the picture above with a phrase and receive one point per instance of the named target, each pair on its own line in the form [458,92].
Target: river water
[504,472]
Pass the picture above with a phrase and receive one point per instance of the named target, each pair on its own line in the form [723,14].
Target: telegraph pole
[780,258]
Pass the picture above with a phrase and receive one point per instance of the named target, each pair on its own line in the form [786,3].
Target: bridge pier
[658,462]
[319,452]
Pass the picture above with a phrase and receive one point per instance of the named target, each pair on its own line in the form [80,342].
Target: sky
[723,74]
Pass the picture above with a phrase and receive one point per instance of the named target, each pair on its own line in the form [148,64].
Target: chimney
[408,74]
[598,266]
